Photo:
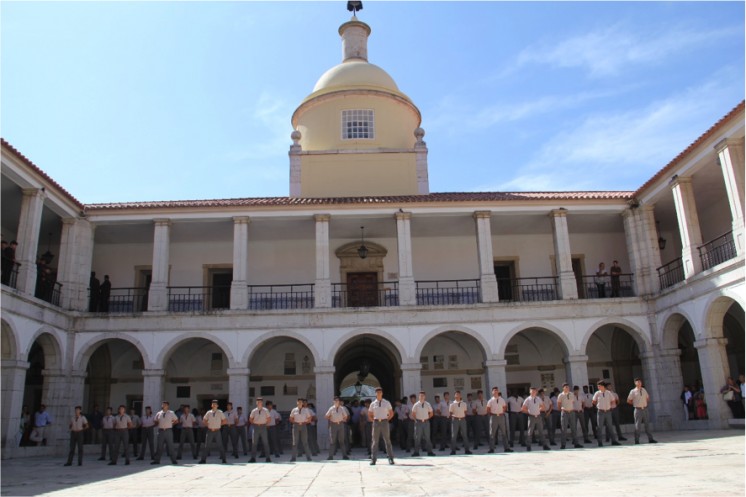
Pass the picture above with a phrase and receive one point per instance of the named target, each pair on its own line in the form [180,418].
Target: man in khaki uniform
[188,422]
[259,419]
[481,419]
[566,403]
[380,413]
[78,425]
[497,407]
[300,418]
[604,402]
[122,426]
[165,419]
[638,398]
[337,416]
[458,411]
[534,408]
[213,421]
[422,413]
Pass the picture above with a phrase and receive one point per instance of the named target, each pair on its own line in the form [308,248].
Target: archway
[114,376]
[371,356]
[8,347]
[281,371]
[535,357]
[43,354]
[733,330]
[453,360]
[196,371]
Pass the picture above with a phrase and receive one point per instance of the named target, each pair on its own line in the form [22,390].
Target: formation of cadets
[419,426]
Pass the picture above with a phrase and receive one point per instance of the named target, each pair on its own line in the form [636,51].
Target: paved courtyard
[702,463]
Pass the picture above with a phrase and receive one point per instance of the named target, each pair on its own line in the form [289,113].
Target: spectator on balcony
[615,273]
[9,260]
[94,287]
[103,295]
[600,280]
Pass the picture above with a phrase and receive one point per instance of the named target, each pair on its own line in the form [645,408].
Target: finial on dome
[295,136]
[419,133]
[354,35]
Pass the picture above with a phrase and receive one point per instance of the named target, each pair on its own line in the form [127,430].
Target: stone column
[730,153]
[664,384]
[158,294]
[55,395]
[411,379]
[324,395]
[74,268]
[295,164]
[568,286]
[407,287]
[239,288]
[686,213]
[238,388]
[322,289]
[29,224]
[420,153]
[713,363]
[576,369]
[77,389]
[487,280]
[13,384]
[649,249]
[152,388]
[496,376]
[636,259]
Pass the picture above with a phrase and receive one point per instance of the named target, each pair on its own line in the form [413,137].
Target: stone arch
[10,344]
[381,357]
[398,347]
[535,354]
[715,311]
[85,353]
[486,349]
[725,319]
[257,343]
[551,329]
[643,342]
[670,330]
[168,349]
[51,346]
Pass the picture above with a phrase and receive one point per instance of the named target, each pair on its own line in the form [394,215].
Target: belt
[604,410]
[642,408]
[163,429]
[121,429]
[380,420]
[493,414]
[534,415]
[337,422]
[422,420]
[456,417]
[214,429]
[567,411]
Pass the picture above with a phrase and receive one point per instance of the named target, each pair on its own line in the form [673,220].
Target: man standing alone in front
[380,413]
[638,398]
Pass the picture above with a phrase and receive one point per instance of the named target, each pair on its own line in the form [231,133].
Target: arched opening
[614,354]
[114,376]
[7,346]
[535,357]
[42,355]
[281,371]
[373,361]
[733,330]
[453,360]
[196,373]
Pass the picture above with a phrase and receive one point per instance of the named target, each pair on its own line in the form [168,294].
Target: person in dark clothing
[9,259]
[104,293]
[95,289]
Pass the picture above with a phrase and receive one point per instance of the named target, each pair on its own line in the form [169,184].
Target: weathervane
[354,6]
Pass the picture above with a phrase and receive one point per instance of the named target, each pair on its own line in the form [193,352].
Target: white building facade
[233,299]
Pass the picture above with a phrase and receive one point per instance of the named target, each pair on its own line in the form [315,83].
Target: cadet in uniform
[604,402]
[213,420]
[300,417]
[534,408]
[275,418]
[78,425]
[313,435]
[615,412]
[638,398]
[241,428]
[422,413]
[516,419]
[366,426]
[403,412]
[441,420]
[589,412]
[481,419]
[148,424]
[165,419]
[549,424]
[134,431]
[457,411]
[122,426]
[380,413]
[259,419]
[107,440]
[580,412]
[188,422]
[496,409]
[337,416]
[229,430]
[566,405]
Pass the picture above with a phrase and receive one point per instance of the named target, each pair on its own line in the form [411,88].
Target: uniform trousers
[497,425]
[165,437]
[148,436]
[213,437]
[76,438]
[516,421]
[120,436]
[187,435]
[313,439]
[591,417]
[381,429]
[604,420]
[367,435]
[274,439]
[107,440]
[422,436]
[552,422]
[337,437]
[641,416]
[441,430]
[580,418]
[133,432]
[242,438]
[260,433]
[230,434]
[402,430]
[458,425]
[615,420]
[535,426]
[567,420]
[471,426]
[300,434]
[481,428]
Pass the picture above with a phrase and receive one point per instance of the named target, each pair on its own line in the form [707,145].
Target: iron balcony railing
[198,298]
[49,291]
[124,300]
[599,287]
[263,297]
[717,251]
[10,273]
[386,294]
[538,289]
[448,292]
[671,273]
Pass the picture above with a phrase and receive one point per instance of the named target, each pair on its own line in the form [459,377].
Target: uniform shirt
[259,416]
[135,421]
[441,409]
[165,419]
[364,414]
[77,424]
[470,408]
[577,404]
[515,403]
[458,409]
[422,410]
[615,396]
[300,415]
[496,405]
[547,404]
[403,412]
[274,418]
[554,403]
[336,414]
[213,420]
[313,416]
[242,420]
[603,400]
[639,397]
[187,420]
[122,421]
[587,400]
[148,421]
[108,423]
[380,409]
[480,406]
[566,401]
[533,405]
[230,417]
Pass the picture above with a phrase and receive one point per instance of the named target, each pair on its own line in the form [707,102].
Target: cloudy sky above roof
[183,100]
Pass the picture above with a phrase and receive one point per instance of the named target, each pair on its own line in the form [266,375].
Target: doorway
[362,289]
[505,275]
[220,286]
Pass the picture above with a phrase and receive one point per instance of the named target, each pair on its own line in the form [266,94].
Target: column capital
[411,366]
[575,358]
[677,180]
[649,354]
[79,373]
[669,353]
[69,221]
[241,220]
[15,364]
[482,214]
[324,370]
[32,192]
[403,216]
[162,221]
[561,212]
[153,372]
[238,371]
[710,342]
[727,142]
[49,373]
[322,218]
[495,363]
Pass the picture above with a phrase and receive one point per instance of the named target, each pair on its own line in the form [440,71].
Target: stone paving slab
[692,463]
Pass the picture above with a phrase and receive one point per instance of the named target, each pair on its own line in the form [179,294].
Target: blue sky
[186,100]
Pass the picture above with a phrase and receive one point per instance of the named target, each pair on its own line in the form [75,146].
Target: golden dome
[355,74]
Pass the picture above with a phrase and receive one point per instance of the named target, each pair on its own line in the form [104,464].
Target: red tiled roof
[369,200]
[41,173]
[707,134]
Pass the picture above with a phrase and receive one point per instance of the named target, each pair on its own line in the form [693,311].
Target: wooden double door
[362,289]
